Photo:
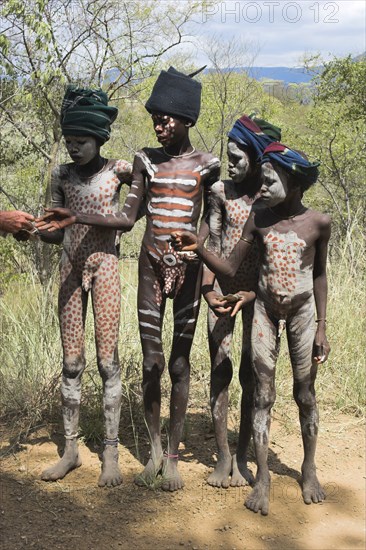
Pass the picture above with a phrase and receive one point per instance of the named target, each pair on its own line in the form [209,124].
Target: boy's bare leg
[265,348]
[179,370]
[258,500]
[241,475]
[72,297]
[220,330]
[312,491]
[151,307]
[70,395]
[106,308]
[186,309]
[112,393]
[153,367]
[300,334]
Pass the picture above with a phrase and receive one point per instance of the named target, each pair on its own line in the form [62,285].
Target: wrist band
[318,320]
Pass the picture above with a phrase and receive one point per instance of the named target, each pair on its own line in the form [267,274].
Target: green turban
[85,112]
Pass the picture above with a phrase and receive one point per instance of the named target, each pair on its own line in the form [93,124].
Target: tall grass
[29,352]
[31,355]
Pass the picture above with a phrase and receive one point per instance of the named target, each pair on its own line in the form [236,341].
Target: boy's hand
[321,347]
[184,240]
[216,303]
[56,218]
[243,298]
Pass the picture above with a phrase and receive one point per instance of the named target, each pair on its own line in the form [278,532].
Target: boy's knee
[153,367]
[246,375]
[265,396]
[304,397]
[73,366]
[222,373]
[108,368]
[179,369]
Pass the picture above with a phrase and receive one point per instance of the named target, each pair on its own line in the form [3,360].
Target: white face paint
[239,163]
[82,149]
[274,187]
[168,130]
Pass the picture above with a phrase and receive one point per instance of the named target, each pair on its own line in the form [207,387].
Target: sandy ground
[75,514]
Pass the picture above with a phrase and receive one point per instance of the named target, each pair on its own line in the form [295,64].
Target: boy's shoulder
[323,220]
[150,151]
[218,188]
[208,160]
[207,157]
[227,189]
[209,167]
[158,152]
[62,171]
[122,169]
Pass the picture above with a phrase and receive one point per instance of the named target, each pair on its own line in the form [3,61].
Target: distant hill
[287,74]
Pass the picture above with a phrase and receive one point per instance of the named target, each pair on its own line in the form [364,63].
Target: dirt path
[75,514]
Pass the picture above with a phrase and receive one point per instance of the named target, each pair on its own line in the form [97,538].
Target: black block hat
[176,94]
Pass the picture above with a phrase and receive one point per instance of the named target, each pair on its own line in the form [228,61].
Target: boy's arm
[184,240]
[123,170]
[321,345]
[214,217]
[124,220]
[211,174]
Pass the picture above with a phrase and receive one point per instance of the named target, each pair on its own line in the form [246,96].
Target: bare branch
[26,136]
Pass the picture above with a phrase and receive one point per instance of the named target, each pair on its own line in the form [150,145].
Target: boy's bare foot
[241,475]
[172,480]
[220,477]
[111,475]
[312,491]
[258,500]
[69,461]
[150,472]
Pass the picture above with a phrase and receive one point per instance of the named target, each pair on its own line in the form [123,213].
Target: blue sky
[284,31]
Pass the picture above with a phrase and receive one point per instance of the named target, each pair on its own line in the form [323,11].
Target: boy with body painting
[89,262]
[231,202]
[293,243]
[171,179]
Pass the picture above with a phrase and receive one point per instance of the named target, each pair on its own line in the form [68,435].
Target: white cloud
[285,30]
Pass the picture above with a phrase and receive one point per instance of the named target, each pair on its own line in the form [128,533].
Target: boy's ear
[188,124]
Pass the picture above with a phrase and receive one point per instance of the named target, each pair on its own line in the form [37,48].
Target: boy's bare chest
[236,212]
[94,194]
[175,195]
[170,182]
[287,249]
